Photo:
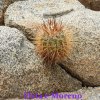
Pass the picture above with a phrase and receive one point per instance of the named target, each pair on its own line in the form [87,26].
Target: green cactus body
[52,42]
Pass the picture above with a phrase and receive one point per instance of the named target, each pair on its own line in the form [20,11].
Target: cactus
[53,42]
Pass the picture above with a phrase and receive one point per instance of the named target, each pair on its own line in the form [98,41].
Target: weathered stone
[26,16]
[3,6]
[85,58]
[92,4]
[6,3]
[21,68]
[1,12]
[84,61]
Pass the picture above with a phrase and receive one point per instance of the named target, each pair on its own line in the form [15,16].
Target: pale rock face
[27,15]
[21,68]
[84,61]
[3,6]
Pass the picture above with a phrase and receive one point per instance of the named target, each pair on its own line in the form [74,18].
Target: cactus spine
[53,42]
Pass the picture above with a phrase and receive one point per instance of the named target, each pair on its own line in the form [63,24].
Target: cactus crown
[52,42]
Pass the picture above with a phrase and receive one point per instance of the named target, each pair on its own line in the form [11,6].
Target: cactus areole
[53,41]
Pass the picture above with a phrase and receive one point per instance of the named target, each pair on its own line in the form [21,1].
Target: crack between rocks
[67,70]
[58,14]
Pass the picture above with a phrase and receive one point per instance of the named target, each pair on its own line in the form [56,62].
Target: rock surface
[87,94]
[84,62]
[92,4]
[26,15]
[21,69]
[3,6]
[1,12]
[6,3]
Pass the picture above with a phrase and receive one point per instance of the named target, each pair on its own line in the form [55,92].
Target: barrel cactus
[53,41]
